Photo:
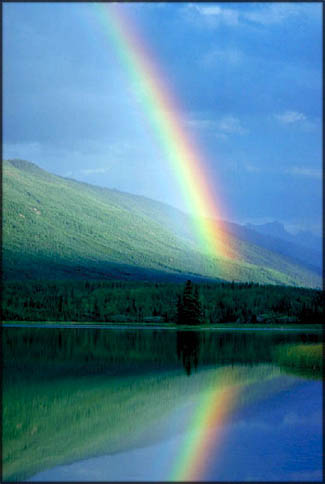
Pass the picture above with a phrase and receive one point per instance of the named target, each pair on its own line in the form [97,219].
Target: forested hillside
[57,228]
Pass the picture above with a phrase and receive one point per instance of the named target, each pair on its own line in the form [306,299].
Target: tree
[189,310]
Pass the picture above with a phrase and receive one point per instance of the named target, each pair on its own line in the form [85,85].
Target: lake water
[124,404]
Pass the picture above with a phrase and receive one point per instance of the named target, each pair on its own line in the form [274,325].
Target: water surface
[83,404]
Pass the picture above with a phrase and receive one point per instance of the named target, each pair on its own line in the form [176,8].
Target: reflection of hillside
[52,422]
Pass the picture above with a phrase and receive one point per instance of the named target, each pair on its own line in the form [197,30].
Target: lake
[133,404]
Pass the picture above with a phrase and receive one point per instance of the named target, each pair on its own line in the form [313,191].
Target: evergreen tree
[189,309]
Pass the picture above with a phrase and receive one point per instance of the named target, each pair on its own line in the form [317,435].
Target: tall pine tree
[189,309]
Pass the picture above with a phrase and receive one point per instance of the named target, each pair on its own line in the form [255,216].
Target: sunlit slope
[58,228]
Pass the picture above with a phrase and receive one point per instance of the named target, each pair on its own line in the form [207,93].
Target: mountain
[275,229]
[59,228]
[308,257]
[303,238]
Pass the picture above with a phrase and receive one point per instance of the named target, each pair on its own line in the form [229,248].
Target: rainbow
[207,427]
[165,118]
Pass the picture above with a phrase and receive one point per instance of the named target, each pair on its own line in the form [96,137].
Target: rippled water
[131,405]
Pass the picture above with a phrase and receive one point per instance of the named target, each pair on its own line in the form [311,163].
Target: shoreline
[164,326]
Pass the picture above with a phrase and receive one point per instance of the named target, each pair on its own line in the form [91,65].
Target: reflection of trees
[90,351]
[188,344]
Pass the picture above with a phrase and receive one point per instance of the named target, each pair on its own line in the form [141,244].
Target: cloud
[273,13]
[252,168]
[302,171]
[290,117]
[263,14]
[26,151]
[219,14]
[87,171]
[221,136]
[93,171]
[230,56]
[209,15]
[298,119]
[305,171]
[222,127]
[200,123]
[230,124]
[85,158]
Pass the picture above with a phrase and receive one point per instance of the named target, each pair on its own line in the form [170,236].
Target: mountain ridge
[310,258]
[276,229]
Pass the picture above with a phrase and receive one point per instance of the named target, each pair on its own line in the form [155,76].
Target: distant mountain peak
[277,229]
[273,228]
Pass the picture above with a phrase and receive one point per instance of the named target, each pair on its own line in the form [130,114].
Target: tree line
[207,303]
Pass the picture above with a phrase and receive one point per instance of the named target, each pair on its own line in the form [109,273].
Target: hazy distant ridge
[302,238]
[310,258]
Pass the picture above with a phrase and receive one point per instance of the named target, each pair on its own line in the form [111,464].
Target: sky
[246,78]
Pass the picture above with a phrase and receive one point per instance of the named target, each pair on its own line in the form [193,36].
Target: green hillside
[58,228]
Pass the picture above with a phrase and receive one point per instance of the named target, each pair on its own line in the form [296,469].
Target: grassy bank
[301,356]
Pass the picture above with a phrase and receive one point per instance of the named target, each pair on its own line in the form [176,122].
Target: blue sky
[247,75]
